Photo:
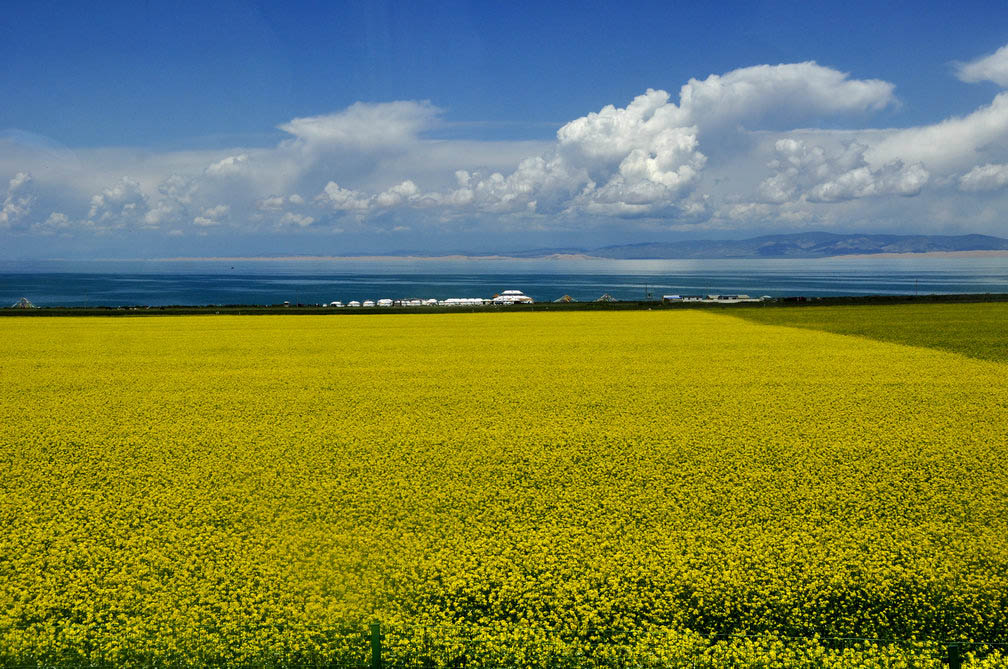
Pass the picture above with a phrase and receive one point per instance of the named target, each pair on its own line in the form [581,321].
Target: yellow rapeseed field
[520,488]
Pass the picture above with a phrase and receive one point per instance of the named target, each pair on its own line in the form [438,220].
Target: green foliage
[976,330]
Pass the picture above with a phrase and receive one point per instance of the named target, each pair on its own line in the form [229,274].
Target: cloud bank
[732,152]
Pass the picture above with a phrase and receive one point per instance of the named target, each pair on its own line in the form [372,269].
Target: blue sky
[151,130]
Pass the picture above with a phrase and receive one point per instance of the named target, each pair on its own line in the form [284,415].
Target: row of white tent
[507,297]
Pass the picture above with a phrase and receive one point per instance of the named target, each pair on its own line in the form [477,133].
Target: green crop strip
[975,330]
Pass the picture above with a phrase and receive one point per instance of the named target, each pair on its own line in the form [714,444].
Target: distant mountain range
[798,245]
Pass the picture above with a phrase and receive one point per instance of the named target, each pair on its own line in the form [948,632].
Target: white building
[463,302]
[512,297]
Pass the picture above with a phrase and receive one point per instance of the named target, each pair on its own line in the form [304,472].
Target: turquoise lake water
[161,283]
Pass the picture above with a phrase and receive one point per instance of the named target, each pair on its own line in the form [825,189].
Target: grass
[975,330]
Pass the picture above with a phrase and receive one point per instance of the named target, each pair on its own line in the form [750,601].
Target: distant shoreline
[504,257]
[929,254]
[619,305]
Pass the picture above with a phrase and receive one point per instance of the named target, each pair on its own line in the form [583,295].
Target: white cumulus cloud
[162,212]
[119,205]
[618,161]
[179,188]
[295,219]
[337,198]
[811,172]
[792,93]
[397,195]
[646,158]
[891,179]
[229,166]
[985,177]
[989,68]
[18,201]
[953,143]
[538,184]
[272,203]
[366,125]
[212,215]
[57,221]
